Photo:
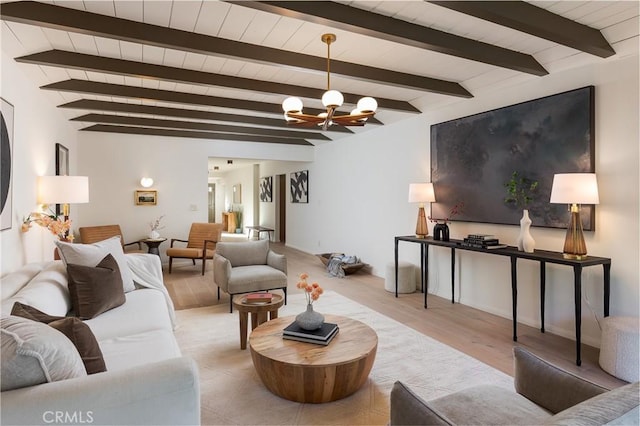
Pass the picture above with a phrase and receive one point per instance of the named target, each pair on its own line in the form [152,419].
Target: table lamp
[63,190]
[421,193]
[574,189]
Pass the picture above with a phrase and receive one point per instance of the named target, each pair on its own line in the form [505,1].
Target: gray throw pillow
[34,353]
[77,331]
[92,254]
[95,290]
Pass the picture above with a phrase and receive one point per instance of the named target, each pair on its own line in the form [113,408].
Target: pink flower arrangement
[311,291]
[57,226]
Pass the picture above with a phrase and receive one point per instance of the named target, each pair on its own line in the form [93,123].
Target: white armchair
[244,267]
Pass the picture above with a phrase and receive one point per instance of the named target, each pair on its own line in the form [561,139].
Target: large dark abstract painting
[300,187]
[6,164]
[473,157]
[266,189]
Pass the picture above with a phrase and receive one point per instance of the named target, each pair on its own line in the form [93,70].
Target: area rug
[232,393]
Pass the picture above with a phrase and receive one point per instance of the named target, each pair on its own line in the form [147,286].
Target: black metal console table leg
[607,287]
[453,274]
[514,296]
[422,248]
[543,285]
[396,264]
[577,279]
[425,274]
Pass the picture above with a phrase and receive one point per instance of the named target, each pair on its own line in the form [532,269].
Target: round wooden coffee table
[306,372]
[258,313]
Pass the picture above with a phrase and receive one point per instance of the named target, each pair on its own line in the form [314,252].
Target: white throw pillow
[34,353]
[92,254]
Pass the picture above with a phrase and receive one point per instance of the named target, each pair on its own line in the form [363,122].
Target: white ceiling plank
[131,51]
[282,32]
[260,27]
[103,7]
[77,74]
[194,61]
[236,22]
[31,38]
[58,39]
[101,77]
[132,81]
[174,58]
[73,4]
[158,12]
[185,15]
[211,18]
[622,30]
[132,10]
[152,54]
[54,73]
[84,44]
[108,47]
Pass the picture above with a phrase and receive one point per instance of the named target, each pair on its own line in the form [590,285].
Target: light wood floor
[481,335]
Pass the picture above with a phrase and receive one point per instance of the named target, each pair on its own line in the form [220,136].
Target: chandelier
[332,100]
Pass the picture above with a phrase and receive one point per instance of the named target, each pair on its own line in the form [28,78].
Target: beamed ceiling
[220,70]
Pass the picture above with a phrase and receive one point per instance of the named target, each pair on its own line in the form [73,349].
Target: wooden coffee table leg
[244,319]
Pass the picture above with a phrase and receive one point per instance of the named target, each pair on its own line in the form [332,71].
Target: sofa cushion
[608,407]
[92,254]
[77,331]
[145,310]
[135,350]
[255,278]
[244,253]
[47,291]
[13,282]
[34,353]
[95,290]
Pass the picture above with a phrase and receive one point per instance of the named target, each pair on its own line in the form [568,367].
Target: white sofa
[147,381]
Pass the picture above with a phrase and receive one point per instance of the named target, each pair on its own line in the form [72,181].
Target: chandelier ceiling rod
[332,100]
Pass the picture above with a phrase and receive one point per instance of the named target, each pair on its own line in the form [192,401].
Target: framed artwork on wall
[266,189]
[6,164]
[62,167]
[300,186]
[237,193]
[472,158]
[146,197]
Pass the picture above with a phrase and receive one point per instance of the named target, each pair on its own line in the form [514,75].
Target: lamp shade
[292,104]
[367,104]
[63,189]
[421,193]
[574,188]
[332,99]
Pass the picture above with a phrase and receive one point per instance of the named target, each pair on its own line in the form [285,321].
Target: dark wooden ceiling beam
[194,125]
[72,60]
[193,134]
[375,25]
[124,91]
[97,105]
[530,19]
[78,21]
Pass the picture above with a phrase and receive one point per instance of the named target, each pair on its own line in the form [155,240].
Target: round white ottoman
[619,347]
[406,278]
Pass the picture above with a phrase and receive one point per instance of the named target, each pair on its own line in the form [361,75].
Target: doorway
[212,203]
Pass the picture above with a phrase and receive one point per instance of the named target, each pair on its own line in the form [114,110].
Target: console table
[259,230]
[542,256]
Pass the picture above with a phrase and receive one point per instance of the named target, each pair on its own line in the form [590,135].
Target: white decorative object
[619,347]
[526,243]
[154,235]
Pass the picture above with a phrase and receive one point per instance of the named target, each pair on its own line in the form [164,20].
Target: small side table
[258,312]
[153,244]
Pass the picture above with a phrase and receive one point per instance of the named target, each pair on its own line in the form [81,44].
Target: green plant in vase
[521,191]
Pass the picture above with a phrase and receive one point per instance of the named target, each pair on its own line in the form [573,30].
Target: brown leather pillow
[78,332]
[96,289]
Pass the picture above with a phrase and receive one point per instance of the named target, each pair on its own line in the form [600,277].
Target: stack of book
[321,336]
[483,241]
[258,298]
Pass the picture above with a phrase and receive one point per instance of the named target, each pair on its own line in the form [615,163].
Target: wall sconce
[63,190]
[146,182]
[421,193]
[574,189]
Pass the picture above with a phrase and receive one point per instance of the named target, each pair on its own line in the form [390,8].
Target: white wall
[37,126]
[358,210]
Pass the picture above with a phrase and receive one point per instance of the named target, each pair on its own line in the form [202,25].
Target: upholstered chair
[201,244]
[93,234]
[244,267]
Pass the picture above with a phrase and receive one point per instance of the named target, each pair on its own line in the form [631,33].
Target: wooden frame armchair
[93,234]
[201,244]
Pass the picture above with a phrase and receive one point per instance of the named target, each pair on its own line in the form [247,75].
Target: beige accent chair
[93,234]
[247,266]
[201,244]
